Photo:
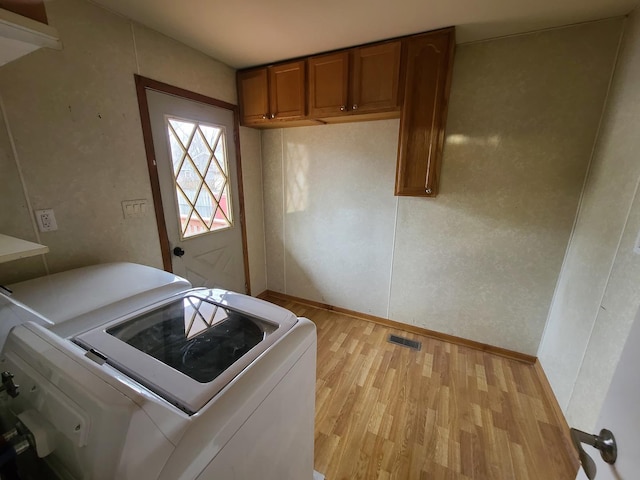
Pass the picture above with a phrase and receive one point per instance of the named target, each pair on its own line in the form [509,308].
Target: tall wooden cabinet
[355,81]
[427,81]
[274,93]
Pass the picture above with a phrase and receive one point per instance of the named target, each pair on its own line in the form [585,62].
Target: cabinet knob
[264,116]
[355,106]
[343,108]
[272,116]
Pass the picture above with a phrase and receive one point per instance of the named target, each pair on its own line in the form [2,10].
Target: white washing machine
[125,372]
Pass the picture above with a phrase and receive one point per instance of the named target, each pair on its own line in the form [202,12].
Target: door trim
[142,85]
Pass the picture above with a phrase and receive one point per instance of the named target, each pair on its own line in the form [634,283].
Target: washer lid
[187,348]
[67,295]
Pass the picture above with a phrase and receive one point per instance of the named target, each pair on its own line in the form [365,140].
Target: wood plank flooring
[384,411]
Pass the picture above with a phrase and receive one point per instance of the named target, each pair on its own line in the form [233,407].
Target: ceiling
[244,33]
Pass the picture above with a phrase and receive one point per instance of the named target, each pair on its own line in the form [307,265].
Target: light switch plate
[46,220]
[134,208]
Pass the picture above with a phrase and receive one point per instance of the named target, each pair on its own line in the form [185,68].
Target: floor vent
[405,342]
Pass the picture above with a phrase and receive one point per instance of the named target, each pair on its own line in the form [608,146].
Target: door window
[201,176]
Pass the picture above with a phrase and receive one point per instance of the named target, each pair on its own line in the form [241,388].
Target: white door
[621,414]
[197,172]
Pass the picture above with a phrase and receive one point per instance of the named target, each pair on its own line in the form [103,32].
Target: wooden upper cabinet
[271,94]
[359,80]
[33,9]
[253,92]
[375,77]
[408,78]
[287,91]
[427,81]
[328,84]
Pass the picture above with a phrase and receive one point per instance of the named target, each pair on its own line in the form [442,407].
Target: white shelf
[21,35]
[12,248]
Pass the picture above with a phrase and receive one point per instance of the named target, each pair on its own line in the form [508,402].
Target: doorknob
[605,442]
[178,252]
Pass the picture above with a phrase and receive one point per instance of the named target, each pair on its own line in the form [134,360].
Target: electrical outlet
[46,220]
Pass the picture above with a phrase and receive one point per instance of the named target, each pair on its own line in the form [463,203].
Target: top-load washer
[126,372]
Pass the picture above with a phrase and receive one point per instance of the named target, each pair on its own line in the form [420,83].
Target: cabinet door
[375,77]
[287,91]
[254,96]
[33,9]
[427,82]
[328,84]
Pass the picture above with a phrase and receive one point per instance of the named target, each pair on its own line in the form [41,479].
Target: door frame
[142,85]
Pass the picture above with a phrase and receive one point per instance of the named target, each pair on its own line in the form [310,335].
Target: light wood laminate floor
[385,411]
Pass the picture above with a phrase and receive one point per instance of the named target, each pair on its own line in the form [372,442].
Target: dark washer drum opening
[196,337]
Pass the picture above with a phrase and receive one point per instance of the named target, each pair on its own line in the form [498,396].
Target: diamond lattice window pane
[220,154]
[201,174]
[216,180]
[177,150]
[195,226]
[199,152]
[223,213]
[184,210]
[205,206]
[184,129]
[188,180]
[211,135]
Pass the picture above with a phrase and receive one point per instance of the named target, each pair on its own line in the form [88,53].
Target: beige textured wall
[329,229]
[76,126]
[597,296]
[250,144]
[482,259]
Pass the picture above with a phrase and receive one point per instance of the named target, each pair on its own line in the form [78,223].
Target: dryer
[126,372]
